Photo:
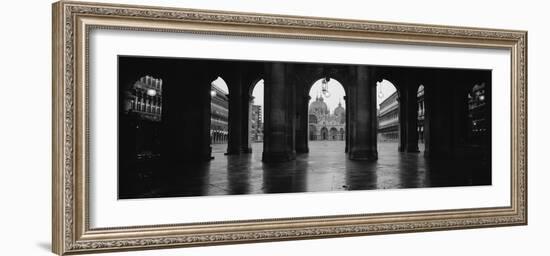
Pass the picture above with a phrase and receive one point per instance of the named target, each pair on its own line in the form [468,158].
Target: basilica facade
[324,125]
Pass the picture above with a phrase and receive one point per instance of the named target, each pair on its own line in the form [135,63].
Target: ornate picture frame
[72,23]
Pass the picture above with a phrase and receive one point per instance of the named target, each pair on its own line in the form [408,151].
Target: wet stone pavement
[325,168]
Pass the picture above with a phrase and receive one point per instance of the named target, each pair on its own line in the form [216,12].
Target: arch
[338,93]
[316,82]
[312,132]
[321,109]
[141,101]
[316,74]
[388,111]
[333,133]
[258,81]
[420,113]
[219,110]
[256,114]
[342,134]
[324,133]
[221,84]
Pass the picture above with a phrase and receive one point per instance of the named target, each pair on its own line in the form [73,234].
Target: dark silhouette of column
[246,146]
[279,115]
[346,132]
[363,120]
[402,112]
[236,115]
[185,128]
[427,118]
[302,102]
[439,115]
[460,118]
[127,125]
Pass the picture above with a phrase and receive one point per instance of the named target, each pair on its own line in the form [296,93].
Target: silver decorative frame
[72,22]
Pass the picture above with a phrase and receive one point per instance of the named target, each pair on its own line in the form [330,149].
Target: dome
[338,111]
[318,106]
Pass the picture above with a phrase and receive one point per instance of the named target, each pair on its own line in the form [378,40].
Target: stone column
[302,130]
[363,120]
[460,113]
[438,121]
[247,125]
[402,112]
[279,115]
[236,116]
[186,123]
[427,119]
[346,132]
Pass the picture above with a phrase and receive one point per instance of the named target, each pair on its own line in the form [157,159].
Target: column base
[278,157]
[246,150]
[363,155]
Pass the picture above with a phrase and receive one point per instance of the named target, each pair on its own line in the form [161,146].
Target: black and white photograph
[213,127]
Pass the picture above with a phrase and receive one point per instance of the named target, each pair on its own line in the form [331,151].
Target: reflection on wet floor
[325,168]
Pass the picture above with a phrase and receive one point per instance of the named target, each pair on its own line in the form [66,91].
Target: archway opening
[140,127]
[421,110]
[312,132]
[255,120]
[387,104]
[145,105]
[327,114]
[219,116]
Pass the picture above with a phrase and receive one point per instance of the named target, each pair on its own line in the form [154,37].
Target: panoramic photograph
[212,127]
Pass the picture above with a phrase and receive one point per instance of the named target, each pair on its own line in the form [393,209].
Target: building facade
[145,111]
[421,113]
[324,125]
[256,124]
[219,115]
[146,102]
[478,127]
[388,117]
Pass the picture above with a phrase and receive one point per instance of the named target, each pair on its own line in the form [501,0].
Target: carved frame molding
[72,22]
